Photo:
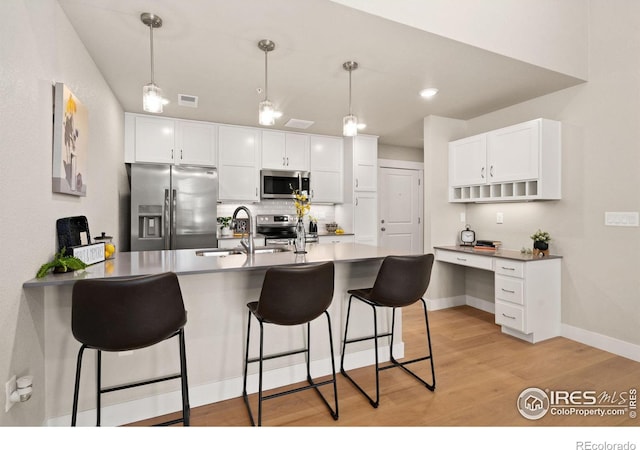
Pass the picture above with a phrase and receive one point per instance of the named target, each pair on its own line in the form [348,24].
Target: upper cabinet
[326,164]
[516,163]
[365,163]
[169,141]
[285,151]
[239,168]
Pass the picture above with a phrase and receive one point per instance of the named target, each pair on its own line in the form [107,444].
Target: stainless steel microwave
[282,183]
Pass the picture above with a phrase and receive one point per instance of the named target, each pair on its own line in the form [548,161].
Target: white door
[400,209]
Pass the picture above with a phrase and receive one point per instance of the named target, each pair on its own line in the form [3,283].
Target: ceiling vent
[190,101]
[299,123]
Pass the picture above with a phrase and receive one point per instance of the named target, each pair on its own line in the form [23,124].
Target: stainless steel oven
[282,183]
[280,229]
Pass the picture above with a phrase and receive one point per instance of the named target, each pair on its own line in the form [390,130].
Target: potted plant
[541,243]
[225,225]
[61,263]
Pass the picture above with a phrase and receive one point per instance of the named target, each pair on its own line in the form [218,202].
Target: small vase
[540,248]
[301,237]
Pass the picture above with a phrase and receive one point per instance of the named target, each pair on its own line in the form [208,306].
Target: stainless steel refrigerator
[173,207]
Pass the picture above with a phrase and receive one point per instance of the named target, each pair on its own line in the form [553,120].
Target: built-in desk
[527,288]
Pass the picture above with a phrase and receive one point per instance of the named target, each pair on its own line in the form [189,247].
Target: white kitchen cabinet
[164,140]
[516,163]
[239,163]
[468,161]
[527,290]
[229,243]
[365,163]
[365,218]
[335,239]
[285,151]
[326,166]
[527,297]
[359,211]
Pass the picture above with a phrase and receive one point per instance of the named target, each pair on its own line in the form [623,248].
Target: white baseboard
[158,405]
[602,342]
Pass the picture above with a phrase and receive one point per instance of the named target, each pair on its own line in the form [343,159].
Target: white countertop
[499,253]
[186,262]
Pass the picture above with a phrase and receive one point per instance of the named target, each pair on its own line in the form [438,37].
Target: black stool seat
[128,314]
[292,296]
[401,281]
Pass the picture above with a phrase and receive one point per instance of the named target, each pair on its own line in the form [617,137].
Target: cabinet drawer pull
[508,268]
[482,173]
[509,317]
[507,290]
[461,259]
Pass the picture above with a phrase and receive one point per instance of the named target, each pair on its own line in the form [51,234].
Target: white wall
[38,47]
[400,153]
[600,165]
[548,33]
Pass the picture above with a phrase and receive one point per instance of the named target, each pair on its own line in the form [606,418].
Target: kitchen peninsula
[215,290]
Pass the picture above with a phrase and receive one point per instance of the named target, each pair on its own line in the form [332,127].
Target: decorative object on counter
[70,143]
[302,204]
[541,243]
[331,227]
[313,224]
[61,263]
[526,250]
[467,236]
[225,225]
[109,247]
[486,245]
[72,231]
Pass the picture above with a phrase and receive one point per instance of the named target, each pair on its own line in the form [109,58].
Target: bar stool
[401,281]
[128,314]
[292,296]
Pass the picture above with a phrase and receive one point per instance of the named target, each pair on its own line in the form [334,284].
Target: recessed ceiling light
[428,93]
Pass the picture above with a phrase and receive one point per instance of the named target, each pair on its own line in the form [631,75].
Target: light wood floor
[480,373]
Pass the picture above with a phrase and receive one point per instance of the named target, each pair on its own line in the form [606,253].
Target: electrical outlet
[499,217]
[10,387]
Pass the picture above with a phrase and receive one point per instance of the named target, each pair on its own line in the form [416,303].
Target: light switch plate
[499,217]
[621,219]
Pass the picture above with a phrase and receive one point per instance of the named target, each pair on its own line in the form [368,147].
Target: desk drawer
[465,259]
[509,289]
[510,315]
[509,267]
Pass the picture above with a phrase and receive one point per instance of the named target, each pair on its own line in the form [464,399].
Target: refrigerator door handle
[174,215]
[166,229]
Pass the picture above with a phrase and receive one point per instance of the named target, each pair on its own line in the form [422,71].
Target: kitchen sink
[240,251]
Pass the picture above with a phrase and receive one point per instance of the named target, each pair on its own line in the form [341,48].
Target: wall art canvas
[70,143]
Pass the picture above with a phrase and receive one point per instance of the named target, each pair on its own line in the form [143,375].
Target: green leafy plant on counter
[541,236]
[224,221]
[61,263]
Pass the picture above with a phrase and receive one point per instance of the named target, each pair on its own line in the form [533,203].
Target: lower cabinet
[335,239]
[526,293]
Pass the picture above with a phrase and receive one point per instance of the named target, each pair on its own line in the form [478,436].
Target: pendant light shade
[266,111]
[350,122]
[152,100]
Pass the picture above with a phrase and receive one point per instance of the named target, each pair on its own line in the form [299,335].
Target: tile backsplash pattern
[322,213]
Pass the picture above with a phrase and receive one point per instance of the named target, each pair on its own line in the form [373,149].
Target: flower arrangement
[302,203]
[541,236]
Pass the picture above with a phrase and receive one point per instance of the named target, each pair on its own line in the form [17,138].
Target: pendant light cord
[151,38]
[350,70]
[266,85]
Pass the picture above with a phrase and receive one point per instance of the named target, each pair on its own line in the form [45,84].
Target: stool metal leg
[186,408]
[98,385]
[76,389]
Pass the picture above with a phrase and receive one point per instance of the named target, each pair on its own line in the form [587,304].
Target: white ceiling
[208,48]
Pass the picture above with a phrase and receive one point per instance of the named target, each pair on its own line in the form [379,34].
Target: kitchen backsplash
[322,213]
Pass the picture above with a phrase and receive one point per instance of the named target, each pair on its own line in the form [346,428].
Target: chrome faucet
[247,245]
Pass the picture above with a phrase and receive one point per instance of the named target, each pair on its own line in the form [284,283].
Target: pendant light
[152,100]
[266,112]
[350,122]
